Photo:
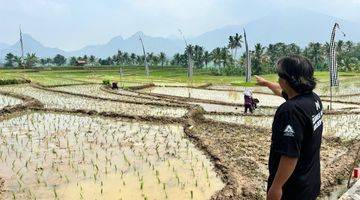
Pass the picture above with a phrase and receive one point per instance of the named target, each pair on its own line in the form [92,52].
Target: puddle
[61,156]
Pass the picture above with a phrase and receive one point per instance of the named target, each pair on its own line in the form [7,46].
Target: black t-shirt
[297,132]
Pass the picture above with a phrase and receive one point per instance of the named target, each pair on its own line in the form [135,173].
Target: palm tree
[85,58]
[176,60]
[235,42]
[162,58]
[73,61]
[92,59]
[43,61]
[9,58]
[139,59]
[207,58]
[257,58]
[125,58]
[293,49]
[150,57]
[133,58]
[198,56]
[231,44]
[189,51]
[18,60]
[217,56]
[314,51]
[30,60]
[226,57]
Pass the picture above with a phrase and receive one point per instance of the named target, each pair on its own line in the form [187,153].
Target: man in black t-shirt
[294,161]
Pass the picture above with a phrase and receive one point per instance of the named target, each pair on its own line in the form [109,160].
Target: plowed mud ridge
[238,152]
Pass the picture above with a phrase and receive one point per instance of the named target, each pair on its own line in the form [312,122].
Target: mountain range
[290,26]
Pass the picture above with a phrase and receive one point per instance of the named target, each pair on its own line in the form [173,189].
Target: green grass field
[158,75]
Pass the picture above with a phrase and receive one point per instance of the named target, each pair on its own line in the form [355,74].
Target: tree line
[220,61]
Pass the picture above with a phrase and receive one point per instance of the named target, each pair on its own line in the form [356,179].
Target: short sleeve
[287,134]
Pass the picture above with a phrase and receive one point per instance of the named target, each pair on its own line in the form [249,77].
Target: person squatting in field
[248,100]
[294,161]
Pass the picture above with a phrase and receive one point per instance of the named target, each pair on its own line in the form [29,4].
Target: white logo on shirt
[289,131]
[317,105]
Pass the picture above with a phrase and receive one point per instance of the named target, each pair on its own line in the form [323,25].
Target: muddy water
[344,126]
[8,101]
[60,156]
[64,101]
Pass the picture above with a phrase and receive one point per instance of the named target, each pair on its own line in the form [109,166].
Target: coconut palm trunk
[147,72]
[248,61]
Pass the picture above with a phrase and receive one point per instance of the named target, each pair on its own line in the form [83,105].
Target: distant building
[80,63]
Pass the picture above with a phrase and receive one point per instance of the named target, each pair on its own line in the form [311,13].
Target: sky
[73,24]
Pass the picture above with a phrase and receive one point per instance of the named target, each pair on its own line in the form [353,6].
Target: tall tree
[9,60]
[92,60]
[198,56]
[162,58]
[217,56]
[72,61]
[257,58]
[314,51]
[59,60]
[133,59]
[235,42]
[207,58]
[31,60]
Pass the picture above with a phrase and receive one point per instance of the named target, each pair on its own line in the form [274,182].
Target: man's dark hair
[298,72]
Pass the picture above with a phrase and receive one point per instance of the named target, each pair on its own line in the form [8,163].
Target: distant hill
[132,45]
[31,46]
[290,26]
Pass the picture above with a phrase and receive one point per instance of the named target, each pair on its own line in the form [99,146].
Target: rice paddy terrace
[81,140]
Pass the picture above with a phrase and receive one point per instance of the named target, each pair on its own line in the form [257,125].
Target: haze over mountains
[290,26]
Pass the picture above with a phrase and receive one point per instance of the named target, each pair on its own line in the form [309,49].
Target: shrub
[227,71]
[106,82]
[13,81]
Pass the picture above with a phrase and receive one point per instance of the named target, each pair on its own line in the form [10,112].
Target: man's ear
[283,83]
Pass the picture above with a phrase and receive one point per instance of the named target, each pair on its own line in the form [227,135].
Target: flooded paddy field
[213,151]
[100,91]
[337,125]
[8,101]
[62,156]
[229,97]
[71,102]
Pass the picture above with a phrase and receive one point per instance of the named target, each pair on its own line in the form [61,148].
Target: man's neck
[291,94]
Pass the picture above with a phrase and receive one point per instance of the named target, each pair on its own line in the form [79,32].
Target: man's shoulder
[287,106]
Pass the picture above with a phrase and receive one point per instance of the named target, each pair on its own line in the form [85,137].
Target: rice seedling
[61,164]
